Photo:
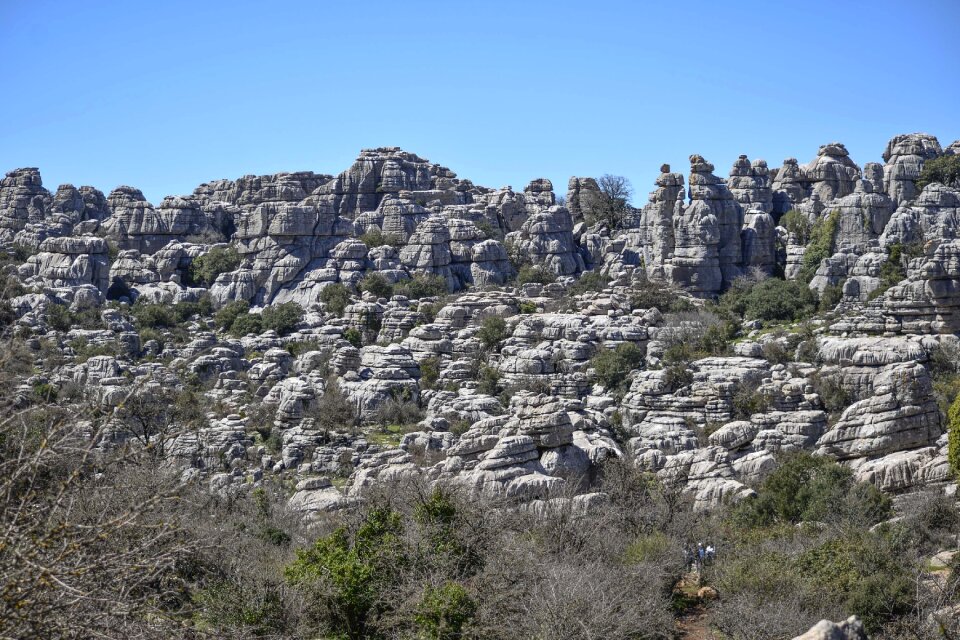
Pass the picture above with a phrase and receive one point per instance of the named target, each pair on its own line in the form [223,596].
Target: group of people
[700,556]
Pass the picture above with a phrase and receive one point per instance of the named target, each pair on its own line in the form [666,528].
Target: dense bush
[820,246]
[492,332]
[225,317]
[249,323]
[798,224]
[282,318]
[807,488]
[945,170]
[335,298]
[895,268]
[953,433]
[770,300]
[377,284]
[421,285]
[647,294]
[205,269]
[612,366]
[588,281]
[528,274]
[377,238]
[429,372]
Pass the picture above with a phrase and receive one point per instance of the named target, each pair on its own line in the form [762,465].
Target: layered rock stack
[904,158]
[709,193]
[656,234]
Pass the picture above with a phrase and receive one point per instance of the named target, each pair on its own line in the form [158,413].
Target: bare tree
[610,205]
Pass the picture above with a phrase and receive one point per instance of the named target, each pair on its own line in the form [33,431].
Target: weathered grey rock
[656,232]
[901,414]
[70,262]
[832,174]
[546,239]
[706,188]
[849,629]
[904,158]
[750,184]
[579,193]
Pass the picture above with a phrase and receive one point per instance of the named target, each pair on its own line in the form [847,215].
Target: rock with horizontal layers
[904,158]
[902,414]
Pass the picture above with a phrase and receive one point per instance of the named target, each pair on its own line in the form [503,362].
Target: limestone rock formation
[904,158]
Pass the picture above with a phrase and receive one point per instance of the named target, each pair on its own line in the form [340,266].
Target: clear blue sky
[166,95]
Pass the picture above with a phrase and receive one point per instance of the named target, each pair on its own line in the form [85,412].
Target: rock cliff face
[518,408]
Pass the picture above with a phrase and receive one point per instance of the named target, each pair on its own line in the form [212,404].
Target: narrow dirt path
[694,623]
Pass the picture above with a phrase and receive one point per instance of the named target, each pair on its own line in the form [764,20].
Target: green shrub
[246,324]
[154,316]
[444,612]
[492,332]
[808,488]
[798,224]
[834,396]
[44,392]
[649,295]
[377,284]
[895,268]
[612,366]
[354,337]
[820,247]
[537,275]
[748,400]
[527,307]
[58,317]
[862,571]
[377,238]
[770,300]
[488,381]
[589,281]
[205,269]
[352,571]
[422,285]
[945,170]
[953,433]
[183,311]
[335,298]
[226,316]
[282,318]
[831,297]
[429,372]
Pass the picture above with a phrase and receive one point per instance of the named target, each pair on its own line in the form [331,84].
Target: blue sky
[166,95]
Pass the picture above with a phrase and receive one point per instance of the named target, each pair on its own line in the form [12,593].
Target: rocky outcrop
[656,233]
[904,158]
[750,184]
[546,240]
[708,193]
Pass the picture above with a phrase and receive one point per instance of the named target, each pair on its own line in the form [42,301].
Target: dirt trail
[694,623]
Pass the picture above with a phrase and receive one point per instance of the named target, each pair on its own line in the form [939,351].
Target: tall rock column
[712,192]
[695,265]
[904,158]
[656,222]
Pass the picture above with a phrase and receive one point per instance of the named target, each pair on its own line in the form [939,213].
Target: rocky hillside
[395,323]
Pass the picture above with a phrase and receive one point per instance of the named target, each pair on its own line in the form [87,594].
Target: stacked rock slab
[384,170]
[789,187]
[929,299]
[696,260]
[656,235]
[23,201]
[711,191]
[579,193]
[904,158]
[546,239]
[750,184]
[70,262]
[832,174]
